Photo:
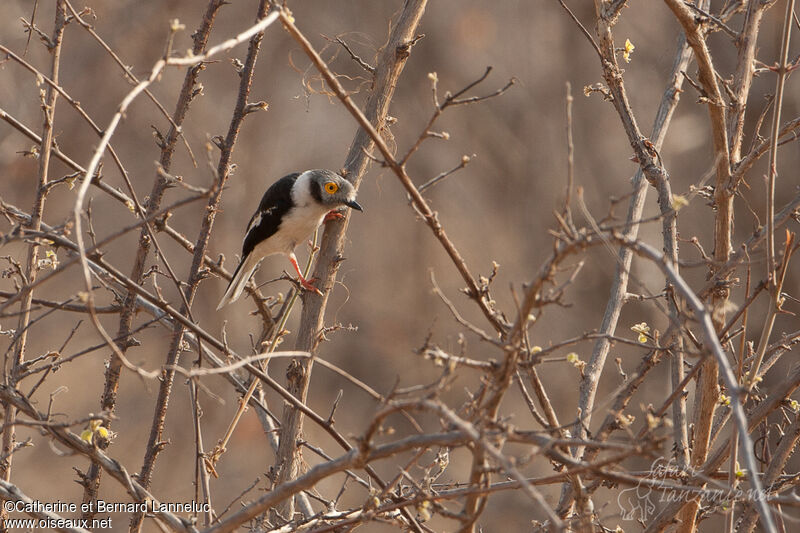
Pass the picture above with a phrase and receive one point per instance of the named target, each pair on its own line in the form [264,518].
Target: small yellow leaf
[424,510]
[86,435]
[679,201]
[628,50]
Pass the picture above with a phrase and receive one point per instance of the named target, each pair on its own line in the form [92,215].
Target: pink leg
[303,281]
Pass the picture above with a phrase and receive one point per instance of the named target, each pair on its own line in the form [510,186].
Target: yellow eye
[331,187]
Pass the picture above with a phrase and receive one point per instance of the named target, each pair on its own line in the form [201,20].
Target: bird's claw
[308,285]
[333,215]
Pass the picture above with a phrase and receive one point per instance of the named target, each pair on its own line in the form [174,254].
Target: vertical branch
[734,438]
[772,277]
[201,477]
[31,266]
[742,80]
[109,399]
[743,76]
[669,230]
[154,443]
[570,155]
[707,391]
[271,339]
[675,340]
[649,170]
[773,150]
[390,65]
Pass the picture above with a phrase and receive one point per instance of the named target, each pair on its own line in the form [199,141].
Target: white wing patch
[255,221]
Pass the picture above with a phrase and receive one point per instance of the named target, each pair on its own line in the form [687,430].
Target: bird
[289,212]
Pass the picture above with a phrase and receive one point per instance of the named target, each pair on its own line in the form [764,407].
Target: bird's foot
[308,285]
[333,215]
[301,280]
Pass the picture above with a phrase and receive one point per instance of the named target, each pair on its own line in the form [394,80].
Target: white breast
[298,225]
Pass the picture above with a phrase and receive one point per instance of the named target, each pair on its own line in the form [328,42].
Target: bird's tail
[240,278]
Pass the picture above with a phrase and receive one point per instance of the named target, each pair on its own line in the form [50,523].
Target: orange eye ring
[331,187]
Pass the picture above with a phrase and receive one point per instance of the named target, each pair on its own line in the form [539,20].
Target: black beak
[354,205]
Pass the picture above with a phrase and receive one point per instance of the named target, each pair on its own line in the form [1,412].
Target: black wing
[274,205]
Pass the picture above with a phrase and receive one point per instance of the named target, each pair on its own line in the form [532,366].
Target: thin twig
[775,279]
[48,102]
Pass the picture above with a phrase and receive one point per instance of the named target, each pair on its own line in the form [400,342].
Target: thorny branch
[154,443]
[386,472]
[11,369]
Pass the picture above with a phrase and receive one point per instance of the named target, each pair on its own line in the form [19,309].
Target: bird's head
[332,191]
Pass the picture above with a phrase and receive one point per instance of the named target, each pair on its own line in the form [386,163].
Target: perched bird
[291,209]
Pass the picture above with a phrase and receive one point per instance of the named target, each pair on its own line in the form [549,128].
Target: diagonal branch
[12,397]
[112,375]
[154,444]
[12,493]
[389,67]
[373,136]
[711,343]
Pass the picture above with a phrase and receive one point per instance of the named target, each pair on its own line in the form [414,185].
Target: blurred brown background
[497,209]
